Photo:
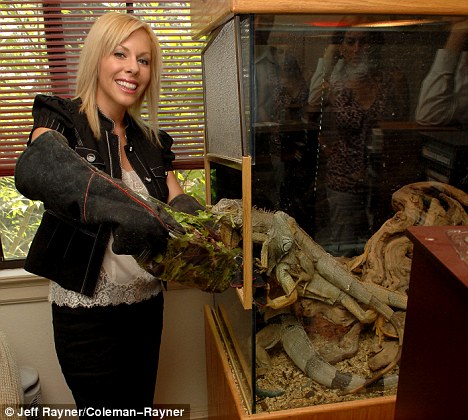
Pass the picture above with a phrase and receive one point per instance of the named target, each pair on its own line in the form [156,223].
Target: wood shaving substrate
[301,391]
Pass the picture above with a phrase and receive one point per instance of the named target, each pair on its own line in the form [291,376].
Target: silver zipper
[110,155]
[109,147]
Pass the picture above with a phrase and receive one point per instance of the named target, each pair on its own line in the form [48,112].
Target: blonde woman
[85,160]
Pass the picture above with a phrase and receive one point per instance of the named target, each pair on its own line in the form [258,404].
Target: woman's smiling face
[124,75]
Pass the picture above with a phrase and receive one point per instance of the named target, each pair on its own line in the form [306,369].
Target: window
[40,42]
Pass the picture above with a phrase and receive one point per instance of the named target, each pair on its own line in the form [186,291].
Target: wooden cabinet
[433,367]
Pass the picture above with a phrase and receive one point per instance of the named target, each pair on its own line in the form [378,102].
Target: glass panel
[336,113]
[345,113]
[236,328]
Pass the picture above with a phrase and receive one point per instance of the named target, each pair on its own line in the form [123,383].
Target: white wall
[182,367]
[25,318]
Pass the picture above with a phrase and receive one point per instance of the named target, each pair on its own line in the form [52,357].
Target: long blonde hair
[107,32]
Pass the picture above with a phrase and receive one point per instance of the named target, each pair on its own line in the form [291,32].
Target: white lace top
[121,279]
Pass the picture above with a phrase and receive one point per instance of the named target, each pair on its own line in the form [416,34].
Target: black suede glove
[186,203]
[50,171]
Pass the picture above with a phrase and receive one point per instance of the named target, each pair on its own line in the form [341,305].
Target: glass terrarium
[352,128]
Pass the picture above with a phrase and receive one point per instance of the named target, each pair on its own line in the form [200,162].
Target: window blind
[40,43]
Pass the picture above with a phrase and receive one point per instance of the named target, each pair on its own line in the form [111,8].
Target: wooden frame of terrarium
[230,147]
[206,15]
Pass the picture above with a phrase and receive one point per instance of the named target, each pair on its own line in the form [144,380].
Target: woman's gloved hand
[50,171]
[186,203]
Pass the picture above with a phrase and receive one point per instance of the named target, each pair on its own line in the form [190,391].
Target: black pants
[109,355]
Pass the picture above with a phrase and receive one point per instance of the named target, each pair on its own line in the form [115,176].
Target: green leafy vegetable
[199,258]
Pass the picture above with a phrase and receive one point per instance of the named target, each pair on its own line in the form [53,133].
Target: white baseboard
[19,286]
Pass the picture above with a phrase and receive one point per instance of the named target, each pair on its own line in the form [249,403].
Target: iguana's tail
[300,349]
